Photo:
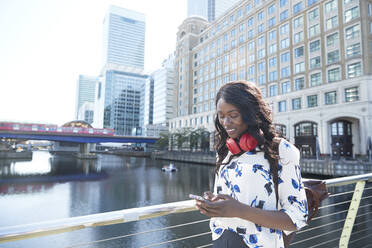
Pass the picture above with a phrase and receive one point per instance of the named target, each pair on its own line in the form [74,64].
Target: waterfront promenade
[325,166]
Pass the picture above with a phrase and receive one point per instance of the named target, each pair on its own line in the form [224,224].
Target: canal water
[50,187]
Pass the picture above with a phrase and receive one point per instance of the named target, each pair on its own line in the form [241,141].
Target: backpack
[316,191]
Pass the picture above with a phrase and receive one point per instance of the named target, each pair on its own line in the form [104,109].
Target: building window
[315,62]
[332,22]
[299,52]
[248,8]
[261,79]
[354,70]
[263,92]
[299,83]
[261,28]
[281,130]
[370,9]
[261,40]
[315,79]
[351,14]
[261,66]
[286,87]
[250,22]
[273,76]
[313,15]
[298,22]
[296,103]
[297,8]
[299,67]
[251,70]
[351,94]
[330,98]
[271,9]
[284,29]
[272,48]
[271,22]
[311,2]
[312,101]
[284,43]
[283,3]
[331,6]
[333,75]
[333,57]
[284,72]
[298,37]
[260,16]
[284,57]
[331,39]
[272,62]
[273,90]
[284,15]
[315,46]
[314,30]
[261,53]
[352,32]
[353,50]
[272,35]
[282,106]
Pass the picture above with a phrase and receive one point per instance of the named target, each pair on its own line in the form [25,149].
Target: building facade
[118,101]
[86,112]
[123,38]
[85,89]
[164,92]
[209,9]
[119,98]
[311,59]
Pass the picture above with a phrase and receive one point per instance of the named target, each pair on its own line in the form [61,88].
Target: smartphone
[197,197]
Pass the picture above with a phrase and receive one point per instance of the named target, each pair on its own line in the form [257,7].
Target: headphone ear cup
[247,142]
[232,146]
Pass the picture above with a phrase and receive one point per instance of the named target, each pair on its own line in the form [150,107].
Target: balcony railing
[344,219]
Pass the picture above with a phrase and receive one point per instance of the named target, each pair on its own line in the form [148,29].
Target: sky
[46,44]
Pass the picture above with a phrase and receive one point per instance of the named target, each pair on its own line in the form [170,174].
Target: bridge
[77,138]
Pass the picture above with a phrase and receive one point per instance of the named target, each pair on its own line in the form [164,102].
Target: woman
[251,160]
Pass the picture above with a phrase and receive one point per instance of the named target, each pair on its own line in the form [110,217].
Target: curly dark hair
[256,114]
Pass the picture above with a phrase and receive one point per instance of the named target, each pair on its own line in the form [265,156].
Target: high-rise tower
[124,38]
[119,94]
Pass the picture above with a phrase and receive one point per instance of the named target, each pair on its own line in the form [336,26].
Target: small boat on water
[169,168]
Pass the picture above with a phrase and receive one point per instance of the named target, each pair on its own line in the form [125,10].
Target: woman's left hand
[221,206]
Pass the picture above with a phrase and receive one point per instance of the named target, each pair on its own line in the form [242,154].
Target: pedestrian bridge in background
[344,220]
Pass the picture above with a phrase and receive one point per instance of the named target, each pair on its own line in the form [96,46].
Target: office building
[124,38]
[209,9]
[120,94]
[118,100]
[86,112]
[163,92]
[311,59]
[84,92]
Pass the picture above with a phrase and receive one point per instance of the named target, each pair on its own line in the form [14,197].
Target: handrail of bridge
[20,232]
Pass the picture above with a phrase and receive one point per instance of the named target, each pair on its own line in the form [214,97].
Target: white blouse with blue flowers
[247,178]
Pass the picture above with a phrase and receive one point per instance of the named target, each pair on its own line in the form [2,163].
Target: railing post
[351,214]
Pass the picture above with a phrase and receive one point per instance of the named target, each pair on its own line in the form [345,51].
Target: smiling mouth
[231,130]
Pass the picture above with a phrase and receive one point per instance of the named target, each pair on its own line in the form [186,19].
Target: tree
[163,142]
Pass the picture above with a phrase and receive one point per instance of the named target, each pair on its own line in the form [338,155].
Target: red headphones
[246,143]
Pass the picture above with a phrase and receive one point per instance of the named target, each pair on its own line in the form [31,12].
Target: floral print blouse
[247,178]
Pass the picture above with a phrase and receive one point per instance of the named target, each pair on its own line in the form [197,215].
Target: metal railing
[344,219]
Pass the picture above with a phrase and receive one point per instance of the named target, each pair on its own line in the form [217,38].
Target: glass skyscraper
[84,92]
[119,96]
[124,38]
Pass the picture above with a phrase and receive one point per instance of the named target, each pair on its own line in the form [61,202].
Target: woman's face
[230,118]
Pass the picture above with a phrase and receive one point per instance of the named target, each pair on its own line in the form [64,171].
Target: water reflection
[73,187]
